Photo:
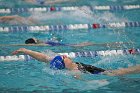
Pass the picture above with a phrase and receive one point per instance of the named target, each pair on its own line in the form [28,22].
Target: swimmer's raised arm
[19,19]
[37,55]
[11,17]
[7,18]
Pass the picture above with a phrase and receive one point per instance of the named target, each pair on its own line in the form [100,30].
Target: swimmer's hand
[21,50]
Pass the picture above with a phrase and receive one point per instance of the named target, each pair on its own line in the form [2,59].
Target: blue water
[37,77]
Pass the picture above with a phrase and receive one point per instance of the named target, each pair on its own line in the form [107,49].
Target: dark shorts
[89,68]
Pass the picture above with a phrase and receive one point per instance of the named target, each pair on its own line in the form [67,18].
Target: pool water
[37,77]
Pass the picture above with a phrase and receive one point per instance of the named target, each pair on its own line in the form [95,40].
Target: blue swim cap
[57,63]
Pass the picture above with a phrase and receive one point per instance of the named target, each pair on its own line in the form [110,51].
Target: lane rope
[45,28]
[76,54]
[69,8]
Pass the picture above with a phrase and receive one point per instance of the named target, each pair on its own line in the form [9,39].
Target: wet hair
[30,41]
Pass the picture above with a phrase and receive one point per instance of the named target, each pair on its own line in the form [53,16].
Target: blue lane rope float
[46,28]
[92,54]
[69,8]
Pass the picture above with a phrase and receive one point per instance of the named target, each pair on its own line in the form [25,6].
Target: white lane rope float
[45,28]
[68,8]
[75,54]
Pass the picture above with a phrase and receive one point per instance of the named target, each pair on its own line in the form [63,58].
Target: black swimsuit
[89,68]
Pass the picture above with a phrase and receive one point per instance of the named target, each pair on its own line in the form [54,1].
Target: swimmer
[37,42]
[15,19]
[33,41]
[54,43]
[46,2]
[60,62]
